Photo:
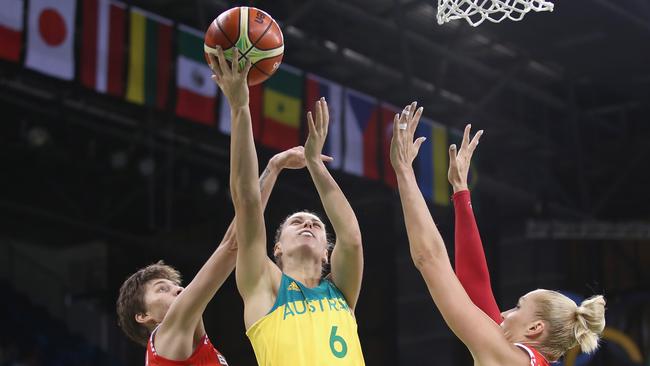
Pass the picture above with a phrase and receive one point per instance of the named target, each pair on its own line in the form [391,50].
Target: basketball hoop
[477,11]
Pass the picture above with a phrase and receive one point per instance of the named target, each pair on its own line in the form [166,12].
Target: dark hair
[330,241]
[130,302]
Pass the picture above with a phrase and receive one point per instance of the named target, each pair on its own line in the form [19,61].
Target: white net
[477,11]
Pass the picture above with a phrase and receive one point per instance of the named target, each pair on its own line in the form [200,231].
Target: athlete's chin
[308,243]
[307,247]
[303,239]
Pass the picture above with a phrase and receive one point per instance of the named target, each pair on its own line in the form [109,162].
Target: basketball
[257,36]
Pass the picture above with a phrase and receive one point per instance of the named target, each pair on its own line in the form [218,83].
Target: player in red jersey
[543,325]
[156,312]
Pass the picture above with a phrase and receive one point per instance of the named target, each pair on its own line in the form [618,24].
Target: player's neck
[307,272]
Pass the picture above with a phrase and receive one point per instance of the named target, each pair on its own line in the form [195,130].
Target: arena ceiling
[563,97]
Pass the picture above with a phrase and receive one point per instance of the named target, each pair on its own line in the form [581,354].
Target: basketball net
[477,11]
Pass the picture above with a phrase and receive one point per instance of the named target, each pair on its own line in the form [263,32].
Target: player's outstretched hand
[459,162]
[318,127]
[402,147]
[231,80]
[293,158]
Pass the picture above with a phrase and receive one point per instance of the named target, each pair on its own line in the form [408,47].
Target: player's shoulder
[536,358]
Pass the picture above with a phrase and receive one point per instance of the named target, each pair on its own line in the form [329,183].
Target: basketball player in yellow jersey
[293,315]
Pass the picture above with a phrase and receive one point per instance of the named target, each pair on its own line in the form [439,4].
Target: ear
[535,329]
[276,250]
[143,318]
[326,259]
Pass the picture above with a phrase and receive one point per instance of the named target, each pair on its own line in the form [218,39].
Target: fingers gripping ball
[255,33]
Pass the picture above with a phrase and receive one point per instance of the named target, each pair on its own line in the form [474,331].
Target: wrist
[460,187]
[237,107]
[274,165]
[313,160]
[403,170]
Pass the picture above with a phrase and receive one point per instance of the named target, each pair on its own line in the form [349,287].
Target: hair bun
[590,323]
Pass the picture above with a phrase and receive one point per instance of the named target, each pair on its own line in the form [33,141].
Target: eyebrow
[157,282]
[314,218]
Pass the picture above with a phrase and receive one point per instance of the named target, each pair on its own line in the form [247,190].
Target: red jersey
[204,355]
[536,358]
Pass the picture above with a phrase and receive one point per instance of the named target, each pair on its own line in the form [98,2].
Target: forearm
[431,259]
[215,271]
[425,241]
[267,181]
[246,196]
[471,266]
[338,209]
[188,308]
[243,159]
[222,262]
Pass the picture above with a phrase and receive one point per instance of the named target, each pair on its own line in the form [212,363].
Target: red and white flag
[50,40]
[11,29]
[102,46]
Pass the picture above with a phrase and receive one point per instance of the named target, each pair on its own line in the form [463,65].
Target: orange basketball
[257,36]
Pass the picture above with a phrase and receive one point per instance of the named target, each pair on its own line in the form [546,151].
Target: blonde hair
[569,324]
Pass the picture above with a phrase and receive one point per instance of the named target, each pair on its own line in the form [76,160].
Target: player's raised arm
[251,234]
[430,255]
[347,256]
[470,264]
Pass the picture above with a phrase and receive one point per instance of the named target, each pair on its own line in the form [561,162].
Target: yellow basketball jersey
[307,326]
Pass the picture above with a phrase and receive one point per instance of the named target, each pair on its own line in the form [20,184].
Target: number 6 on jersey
[337,339]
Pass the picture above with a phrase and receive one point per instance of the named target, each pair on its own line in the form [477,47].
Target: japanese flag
[50,40]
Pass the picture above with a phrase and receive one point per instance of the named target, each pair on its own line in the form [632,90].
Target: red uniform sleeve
[471,266]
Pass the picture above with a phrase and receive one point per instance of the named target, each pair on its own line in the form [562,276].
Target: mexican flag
[196,92]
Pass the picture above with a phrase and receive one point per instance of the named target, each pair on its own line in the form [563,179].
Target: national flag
[150,52]
[387,114]
[102,46]
[254,102]
[11,29]
[196,92]
[50,39]
[316,87]
[361,118]
[433,162]
[282,108]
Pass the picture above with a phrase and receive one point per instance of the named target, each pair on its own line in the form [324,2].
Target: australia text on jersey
[297,308]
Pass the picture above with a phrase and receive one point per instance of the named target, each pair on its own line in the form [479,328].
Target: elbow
[234,194]
[355,240]
[243,194]
[234,188]
[245,200]
[423,259]
[350,241]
